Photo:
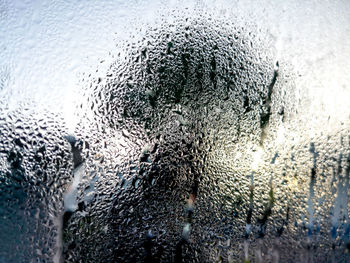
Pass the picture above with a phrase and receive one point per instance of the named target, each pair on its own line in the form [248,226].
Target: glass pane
[180,131]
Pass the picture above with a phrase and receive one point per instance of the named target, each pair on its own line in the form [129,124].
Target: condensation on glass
[192,132]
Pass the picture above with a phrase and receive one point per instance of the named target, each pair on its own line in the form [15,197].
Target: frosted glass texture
[179,131]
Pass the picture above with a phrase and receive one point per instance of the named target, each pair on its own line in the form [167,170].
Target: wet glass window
[179,131]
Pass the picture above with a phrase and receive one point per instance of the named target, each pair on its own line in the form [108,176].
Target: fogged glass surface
[180,131]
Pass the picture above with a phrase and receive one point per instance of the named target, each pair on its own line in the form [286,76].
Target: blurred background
[174,131]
